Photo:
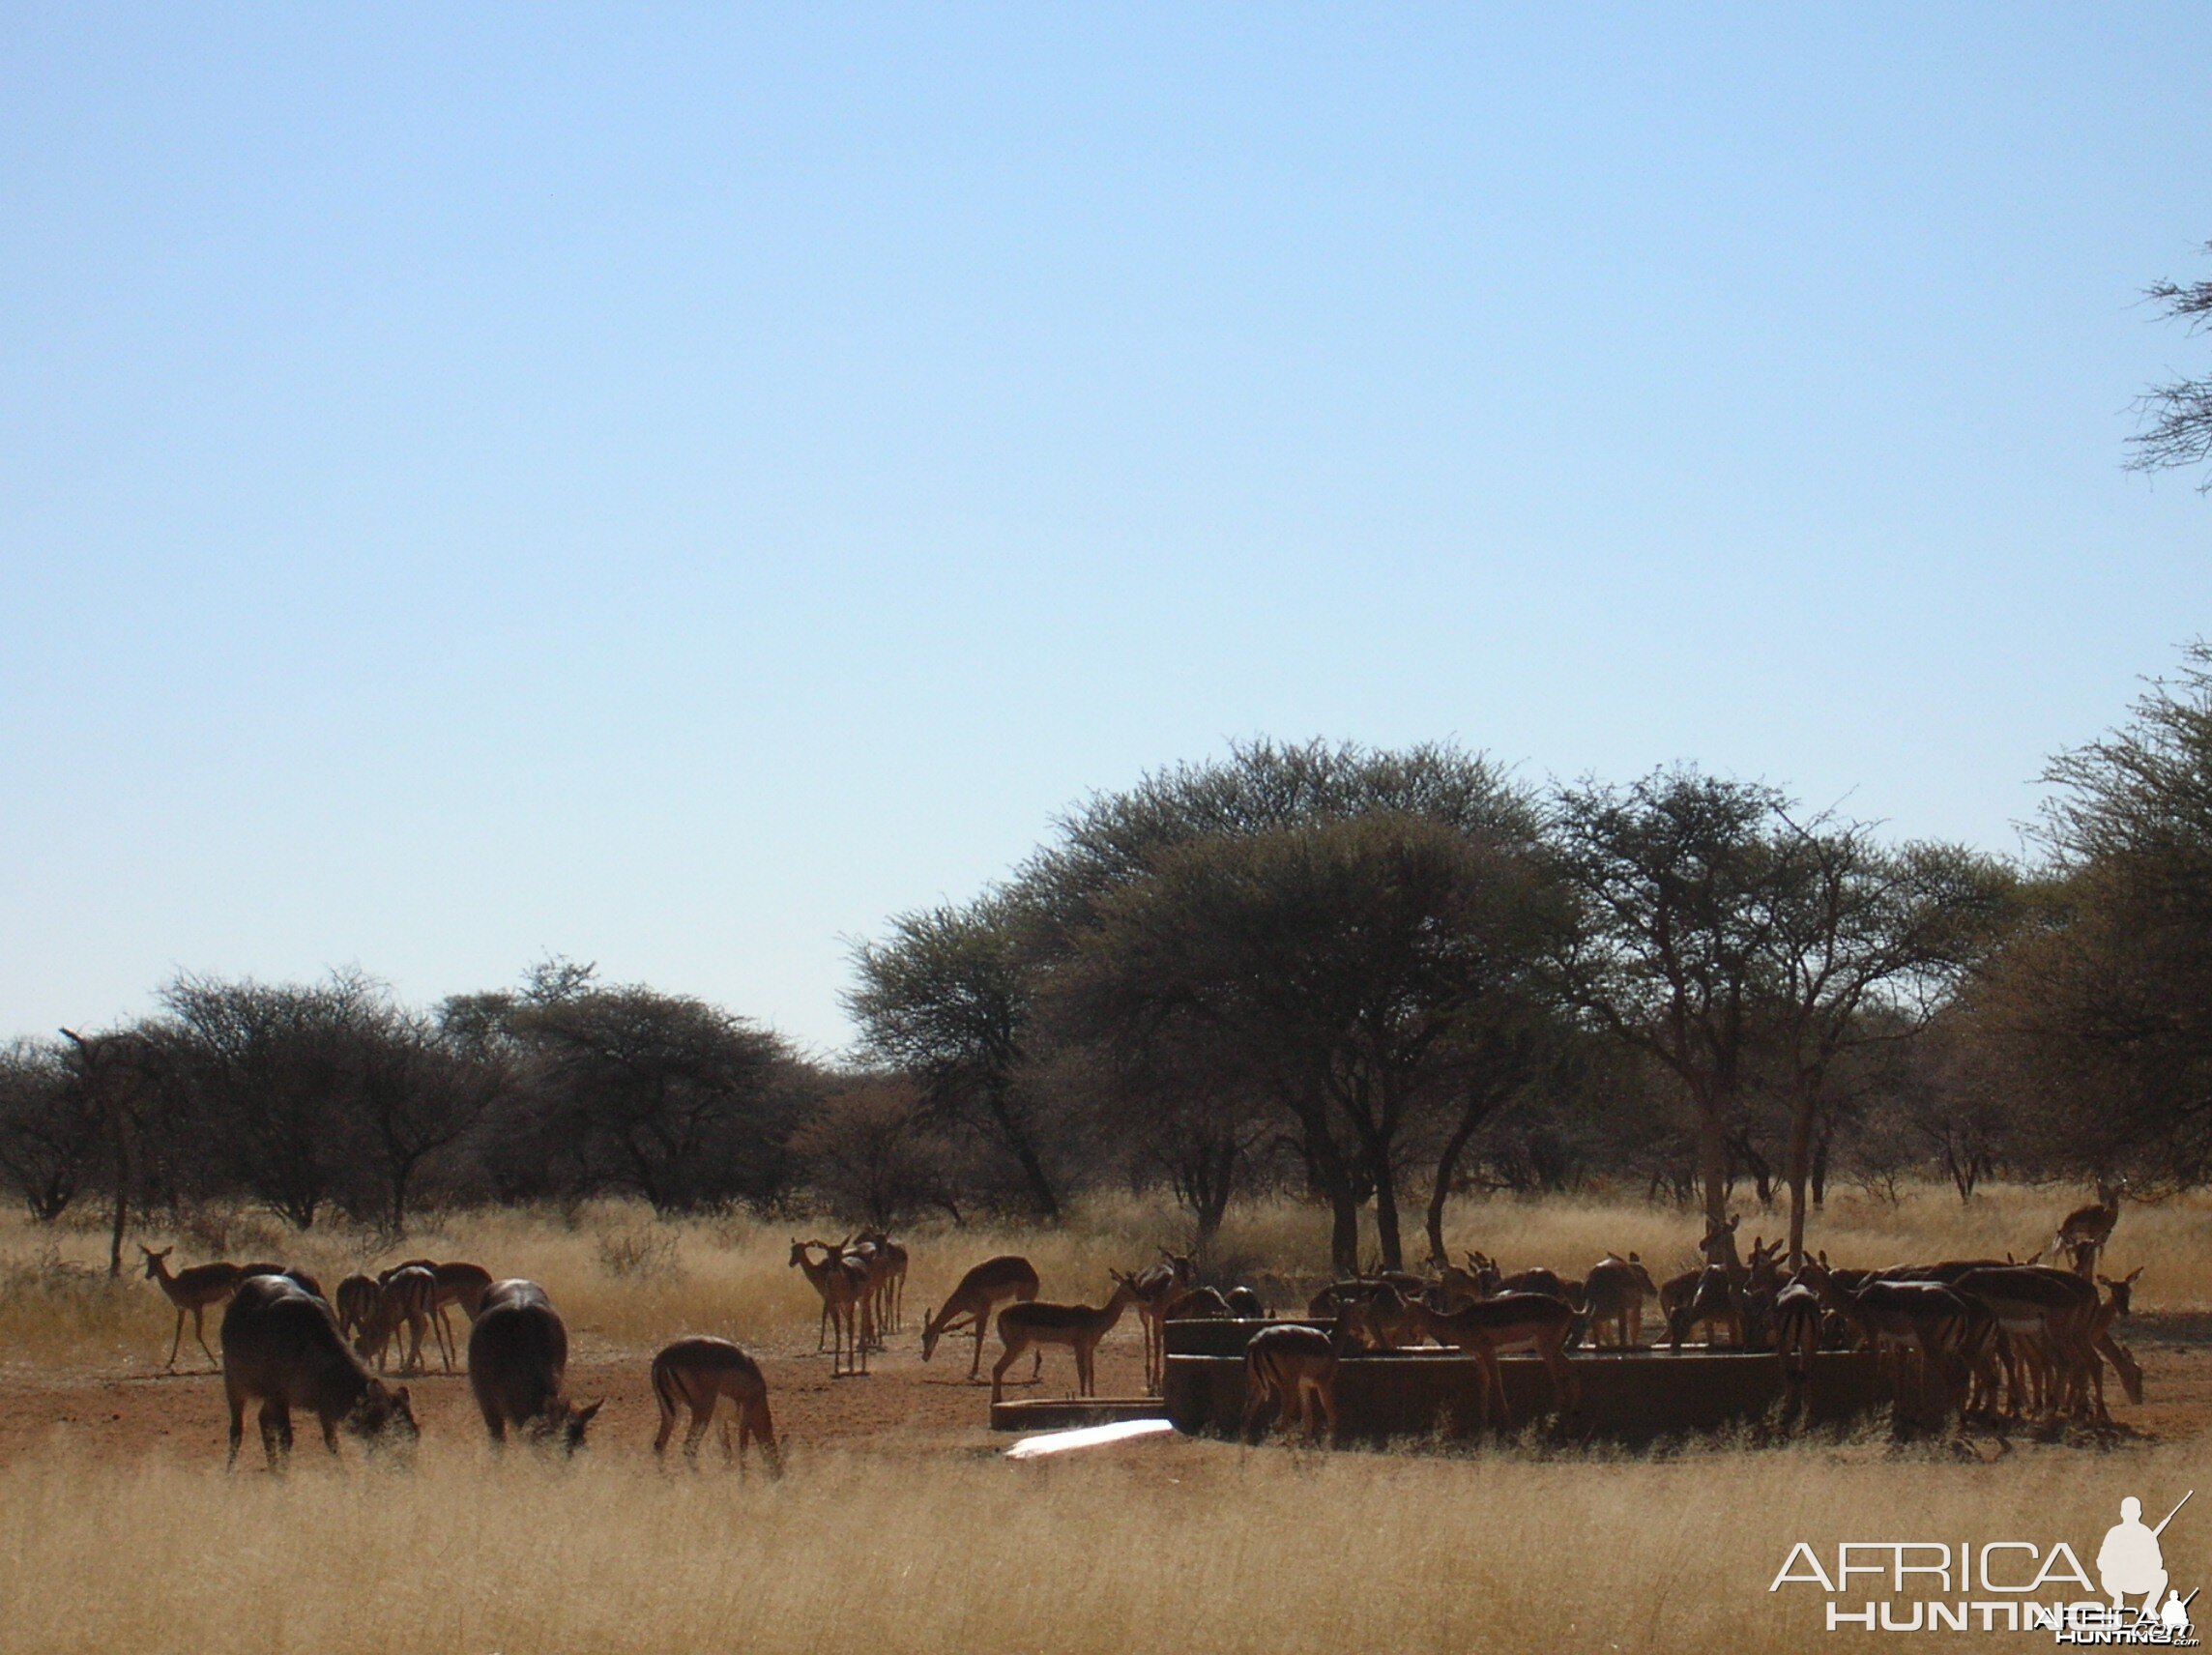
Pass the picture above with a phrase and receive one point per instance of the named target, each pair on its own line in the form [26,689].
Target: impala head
[799,1251]
[929,1333]
[154,1258]
[1719,1243]
[1643,1276]
[2121,1290]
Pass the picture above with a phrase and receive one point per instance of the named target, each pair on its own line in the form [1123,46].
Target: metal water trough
[1632,1395]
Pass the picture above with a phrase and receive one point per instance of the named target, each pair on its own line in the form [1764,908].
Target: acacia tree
[267,1072]
[661,1094]
[421,1088]
[946,999]
[1679,884]
[1119,842]
[2097,1015]
[1334,961]
[52,1130]
[1867,945]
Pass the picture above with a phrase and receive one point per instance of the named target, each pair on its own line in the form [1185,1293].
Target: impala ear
[2132,1275]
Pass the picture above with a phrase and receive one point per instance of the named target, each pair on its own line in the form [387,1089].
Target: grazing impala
[518,1366]
[458,1282]
[191,1290]
[697,1374]
[1003,1280]
[404,1302]
[2048,1319]
[356,1305]
[1291,1372]
[282,1349]
[1034,1323]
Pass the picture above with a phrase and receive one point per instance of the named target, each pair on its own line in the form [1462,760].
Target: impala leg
[177,1343]
[975,1368]
[237,1400]
[999,1370]
[701,1419]
[1255,1405]
[1495,1377]
[198,1313]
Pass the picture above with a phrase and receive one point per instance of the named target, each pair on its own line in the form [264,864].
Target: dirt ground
[902,1407]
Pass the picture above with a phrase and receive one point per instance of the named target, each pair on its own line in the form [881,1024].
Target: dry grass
[626,1281]
[932,1545]
[1193,1546]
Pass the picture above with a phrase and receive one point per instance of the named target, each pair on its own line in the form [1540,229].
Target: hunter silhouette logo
[2006,1585]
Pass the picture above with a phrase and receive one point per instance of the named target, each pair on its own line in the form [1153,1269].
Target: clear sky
[675,487]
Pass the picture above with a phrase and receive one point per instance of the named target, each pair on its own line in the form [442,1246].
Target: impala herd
[1994,1339]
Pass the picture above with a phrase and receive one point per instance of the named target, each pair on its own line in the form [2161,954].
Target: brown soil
[901,1407]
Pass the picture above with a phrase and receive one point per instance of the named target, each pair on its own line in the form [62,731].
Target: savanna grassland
[898,1527]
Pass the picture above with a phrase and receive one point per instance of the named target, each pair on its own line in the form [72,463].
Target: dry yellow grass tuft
[1191,1545]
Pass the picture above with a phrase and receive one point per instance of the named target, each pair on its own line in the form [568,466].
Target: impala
[1034,1323]
[1614,1291]
[697,1374]
[356,1304]
[890,1307]
[1158,1286]
[843,1282]
[405,1305]
[192,1290]
[1003,1280]
[1290,1370]
[2082,1233]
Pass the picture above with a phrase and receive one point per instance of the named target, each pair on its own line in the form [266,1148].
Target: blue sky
[675,487]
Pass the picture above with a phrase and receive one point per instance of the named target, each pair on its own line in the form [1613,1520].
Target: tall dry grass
[626,1281]
[1187,1546]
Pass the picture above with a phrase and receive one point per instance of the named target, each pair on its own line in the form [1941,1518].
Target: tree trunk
[1797,1168]
[1712,1158]
[1386,1214]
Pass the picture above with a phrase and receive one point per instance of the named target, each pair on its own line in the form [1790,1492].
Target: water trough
[1631,1395]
